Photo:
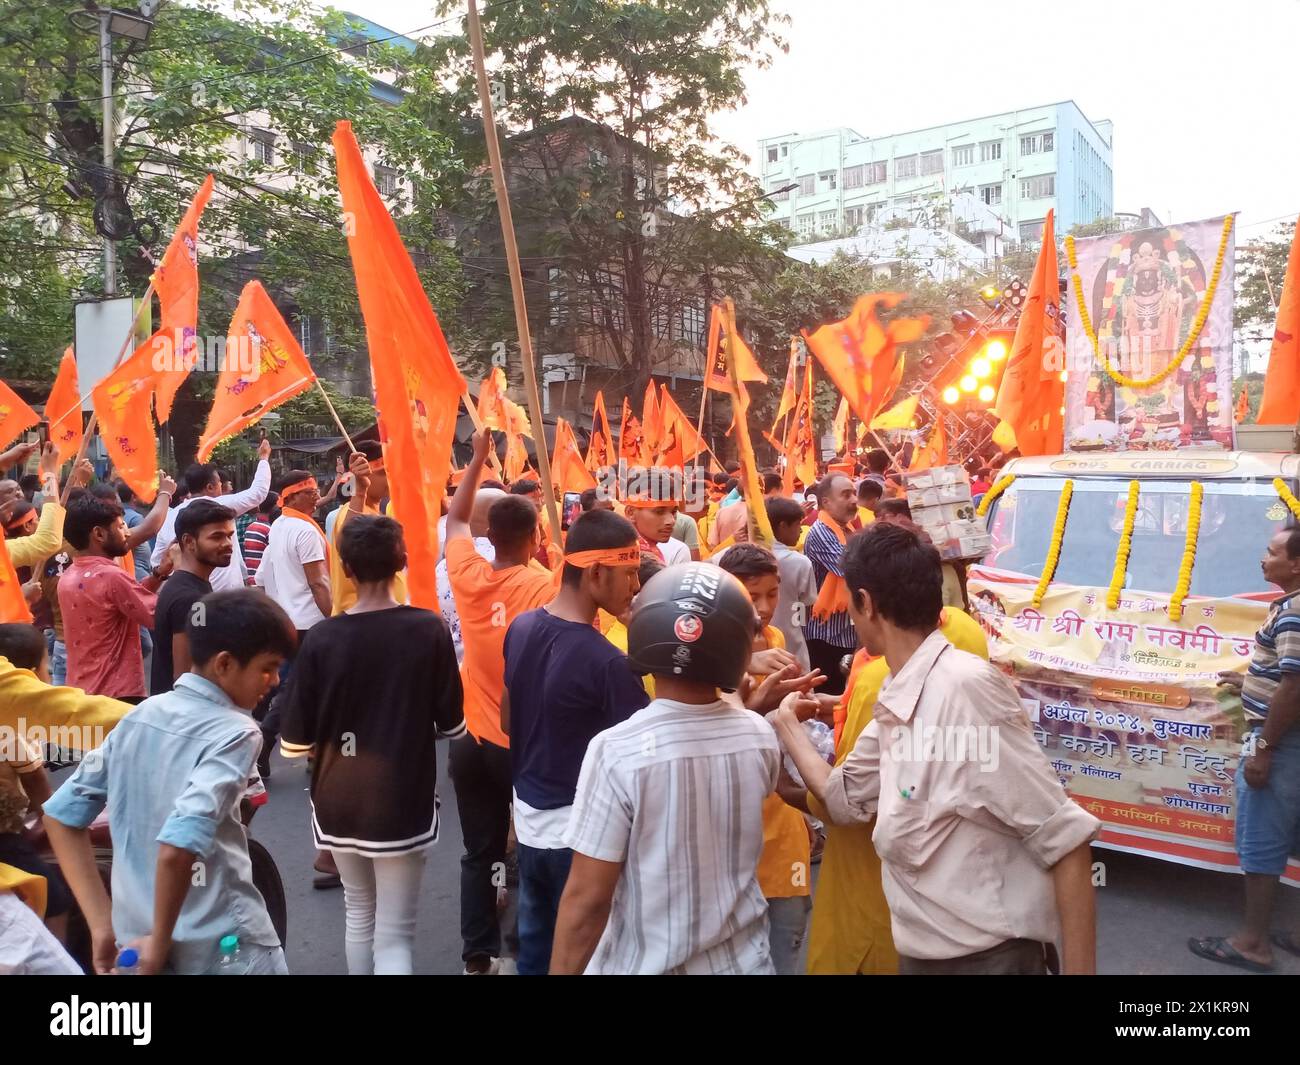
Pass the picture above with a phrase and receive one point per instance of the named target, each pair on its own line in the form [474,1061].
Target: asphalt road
[1146,910]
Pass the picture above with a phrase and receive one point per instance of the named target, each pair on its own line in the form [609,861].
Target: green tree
[1261,269]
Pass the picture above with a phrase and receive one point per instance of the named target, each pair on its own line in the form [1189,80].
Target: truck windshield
[1237,521]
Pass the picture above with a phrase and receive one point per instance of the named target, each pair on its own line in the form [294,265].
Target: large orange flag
[675,422]
[1281,402]
[16,417]
[417,384]
[568,470]
[600,452]
[935,451]
[264,367]
[125,424]
[631,441]
[745,451]
[800,439]
[652,427]
[13,604]
[721,342]
[177,283]
[790,392]
[1032,394]
[63,410]
[860,353]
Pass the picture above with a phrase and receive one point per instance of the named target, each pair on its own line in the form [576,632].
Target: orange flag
[935,451]
[631,441]
[125,424]
[63,409]
[13,604]
[790,392]
[264,367]
[745,451]
[840,427]
[675,421]
[652,426]
[600,451]
[492,400]
[1281,402]
[721,342]
[1032,394]
[417,384]
[177,283]
[568,470]
[1243,405]
[800,439]
[860,353]
[16,417]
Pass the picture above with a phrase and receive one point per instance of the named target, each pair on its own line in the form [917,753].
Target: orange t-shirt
[488,600]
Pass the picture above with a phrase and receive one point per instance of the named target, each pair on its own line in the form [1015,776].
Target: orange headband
[606,556]
[289,490]
[650,503]
[17,522]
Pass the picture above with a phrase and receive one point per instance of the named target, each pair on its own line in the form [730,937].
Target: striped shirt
[675,793]
[1277,651]
[255,538]
[823,549]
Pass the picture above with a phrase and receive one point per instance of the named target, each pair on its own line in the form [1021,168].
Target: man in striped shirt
[829,631]
[1268,773]
[257,533]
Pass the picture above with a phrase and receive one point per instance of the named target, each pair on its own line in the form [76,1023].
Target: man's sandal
[1218,949]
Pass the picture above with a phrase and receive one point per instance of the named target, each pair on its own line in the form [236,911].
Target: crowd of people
[657,725]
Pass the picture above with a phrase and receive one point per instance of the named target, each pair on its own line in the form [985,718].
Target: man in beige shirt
[985,858]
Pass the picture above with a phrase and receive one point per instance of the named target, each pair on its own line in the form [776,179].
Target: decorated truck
[1117,587]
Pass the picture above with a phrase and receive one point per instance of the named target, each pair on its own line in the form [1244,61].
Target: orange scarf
[834,595]
[289,512]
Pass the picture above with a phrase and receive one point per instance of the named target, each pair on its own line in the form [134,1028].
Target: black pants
[269,707]
[1015,957]
[480,773]
[827,657]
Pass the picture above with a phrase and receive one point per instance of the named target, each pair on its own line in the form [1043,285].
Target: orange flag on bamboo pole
[600,450]
[417,384]
[860,353]
[125,423]
[790,392]
[631,441]
[177,283]
[16,416]
[63,409]
[840,426]
[1032,394]
[935,451]
[674,421]
[13,604]
[567,468]
[800,439]
[264,367]
[753,484]
[652,426]
[1281,402]
[721,343]
[492,400]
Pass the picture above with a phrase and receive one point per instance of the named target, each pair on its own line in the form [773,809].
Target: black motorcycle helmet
[693,621]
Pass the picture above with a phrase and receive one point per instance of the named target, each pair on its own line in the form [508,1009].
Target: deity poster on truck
[1127,708]
[1144,290]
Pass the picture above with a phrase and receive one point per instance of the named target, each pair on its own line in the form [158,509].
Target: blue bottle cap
[128,959]
[229,944]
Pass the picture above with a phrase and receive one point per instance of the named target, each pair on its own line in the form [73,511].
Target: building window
[599,158]
[1037,143]
[304,157]
[826,221]
[905,167]
[1036,188]
[609,298]
[853,177]
[690,321]
[991,194]
[785,150]
[876,173]
[771,155]
[558,299]
[874,209]
[780,195]
[852,217]
[990,151]
[827,179]
[385,180]
[804,224]
[932,162]
[964,155]
[807,184]
[1031,232]
[262,146]
[661,319]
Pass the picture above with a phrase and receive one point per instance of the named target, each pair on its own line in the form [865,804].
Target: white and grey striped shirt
[676,793]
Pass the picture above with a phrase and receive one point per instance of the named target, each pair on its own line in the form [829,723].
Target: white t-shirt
[293,544]
[674,551]
[676,793]
[447,601]
[542,829]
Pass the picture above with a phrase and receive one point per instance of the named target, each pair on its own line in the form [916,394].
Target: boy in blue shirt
[172,774]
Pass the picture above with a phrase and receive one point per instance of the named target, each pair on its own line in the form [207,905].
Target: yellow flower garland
[1198,323]
[1287,497]
[1125,546]
[1189,554]
[998,487]
[1054,550]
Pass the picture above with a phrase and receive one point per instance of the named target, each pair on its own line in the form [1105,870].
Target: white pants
[380,897]
[27,947]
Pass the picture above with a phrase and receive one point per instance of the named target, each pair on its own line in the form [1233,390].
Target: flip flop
[326,882]
[1218,949]
[1285,941]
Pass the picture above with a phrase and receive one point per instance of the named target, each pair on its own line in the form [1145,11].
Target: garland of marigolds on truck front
[1054,550]
[1189,554]
[1287,497]
[1125,546]
[999,486]
[1198,323]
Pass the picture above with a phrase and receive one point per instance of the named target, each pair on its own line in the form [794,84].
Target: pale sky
[1204,94]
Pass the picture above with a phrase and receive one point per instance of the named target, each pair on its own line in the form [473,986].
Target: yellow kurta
[850,920]
[342,590]
[44,542]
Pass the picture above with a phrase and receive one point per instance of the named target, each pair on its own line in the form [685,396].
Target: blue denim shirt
[173,771]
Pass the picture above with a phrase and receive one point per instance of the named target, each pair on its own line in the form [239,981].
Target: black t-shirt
[371,692]
[179,593]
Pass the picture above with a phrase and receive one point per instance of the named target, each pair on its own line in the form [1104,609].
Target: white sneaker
[508,967]
[493,969]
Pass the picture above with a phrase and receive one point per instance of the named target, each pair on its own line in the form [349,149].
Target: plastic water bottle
[232,961]
[128,963]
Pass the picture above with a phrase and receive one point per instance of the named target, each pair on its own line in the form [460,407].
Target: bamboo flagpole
[472,410]
[512,263]
[335,415]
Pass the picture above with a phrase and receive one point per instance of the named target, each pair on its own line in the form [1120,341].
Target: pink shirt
[970,817]
[103,610]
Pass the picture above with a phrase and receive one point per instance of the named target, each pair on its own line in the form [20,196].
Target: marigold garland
[999,486]
[1198,323]
[1054,550]
[1125,546]
[1189,554]
[1287,497]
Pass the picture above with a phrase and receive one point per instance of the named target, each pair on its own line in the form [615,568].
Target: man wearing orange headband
[564,683]
[654,519]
